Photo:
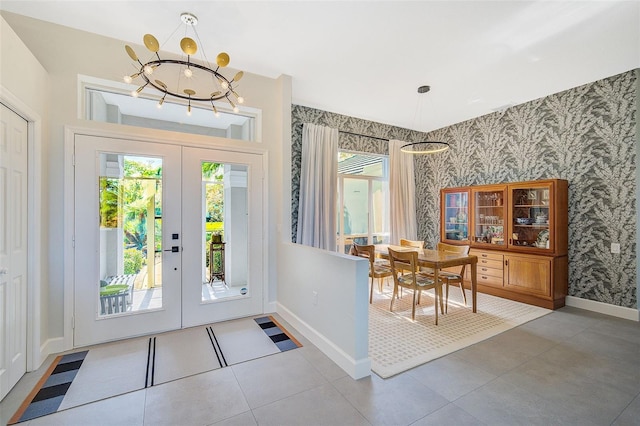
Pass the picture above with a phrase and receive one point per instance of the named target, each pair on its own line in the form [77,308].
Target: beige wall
[25,88]
[65,53]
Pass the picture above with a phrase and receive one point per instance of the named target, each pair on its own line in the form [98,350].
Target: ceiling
[366,59]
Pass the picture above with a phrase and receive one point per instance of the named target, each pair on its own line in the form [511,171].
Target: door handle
[4,271]
[174,249]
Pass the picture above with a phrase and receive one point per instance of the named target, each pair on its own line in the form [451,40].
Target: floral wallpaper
[586,135]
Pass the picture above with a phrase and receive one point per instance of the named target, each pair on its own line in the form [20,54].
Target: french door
[161,237]
[363,212]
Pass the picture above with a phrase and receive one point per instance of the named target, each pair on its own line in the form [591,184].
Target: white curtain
[318,187]
[402,194]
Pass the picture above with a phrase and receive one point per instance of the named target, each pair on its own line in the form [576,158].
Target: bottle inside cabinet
[456,220]
[489,213]
[530,214]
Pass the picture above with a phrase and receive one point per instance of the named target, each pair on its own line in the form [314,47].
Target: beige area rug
[397,344]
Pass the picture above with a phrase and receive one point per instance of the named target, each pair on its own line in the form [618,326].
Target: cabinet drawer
[487,255]
[485,279]
[488,263]
[494,272]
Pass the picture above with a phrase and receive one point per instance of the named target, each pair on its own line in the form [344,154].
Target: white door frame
[36,351]
[142,135]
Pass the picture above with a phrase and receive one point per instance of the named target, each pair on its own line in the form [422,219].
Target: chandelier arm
[192,64]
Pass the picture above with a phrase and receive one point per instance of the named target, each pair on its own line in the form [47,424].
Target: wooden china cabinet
[519,231]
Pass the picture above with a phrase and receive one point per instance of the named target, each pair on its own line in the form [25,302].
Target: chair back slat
[450,248]
[411,243]
[403,261]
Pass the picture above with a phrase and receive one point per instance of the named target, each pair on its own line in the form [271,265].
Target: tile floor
[571,367]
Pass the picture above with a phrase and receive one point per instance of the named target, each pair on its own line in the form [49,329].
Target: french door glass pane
[356,211]
[380,212]
[130,206]
[224,231]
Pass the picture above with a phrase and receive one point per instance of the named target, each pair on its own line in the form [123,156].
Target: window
[363,200]
[111,102]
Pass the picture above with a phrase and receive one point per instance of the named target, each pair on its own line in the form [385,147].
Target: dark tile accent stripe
[279,337]
[46,396]
[216,347]
[51,391]
[283,340]
[67,366]
[151,363]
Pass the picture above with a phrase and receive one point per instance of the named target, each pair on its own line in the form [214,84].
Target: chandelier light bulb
[160,102]
[215,110]
[136,92]
[239,98]
[235,107]
[189,110]
[148,69]
[127,79]
[224,84]
[188,73]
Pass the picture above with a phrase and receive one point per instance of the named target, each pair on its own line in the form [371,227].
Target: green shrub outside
[132,261]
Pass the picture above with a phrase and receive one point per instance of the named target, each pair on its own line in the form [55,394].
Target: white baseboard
[357,369]
[603,308]
[51,346]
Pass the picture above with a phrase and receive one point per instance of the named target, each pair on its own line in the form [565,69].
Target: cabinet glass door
[456,216]
[489,214]
[530,217]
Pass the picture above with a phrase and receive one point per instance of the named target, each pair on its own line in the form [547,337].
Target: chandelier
[424,147]
[186,71]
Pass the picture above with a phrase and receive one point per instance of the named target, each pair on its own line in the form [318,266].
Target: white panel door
[221,195]
[127,223]
[13,248]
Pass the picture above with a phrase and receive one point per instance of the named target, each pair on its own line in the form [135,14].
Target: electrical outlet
[315,298]
[615,247]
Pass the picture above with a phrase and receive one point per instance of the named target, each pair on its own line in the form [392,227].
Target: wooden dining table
[438,260]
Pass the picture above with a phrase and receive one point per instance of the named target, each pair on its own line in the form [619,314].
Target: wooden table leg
[474,285]
[438,293]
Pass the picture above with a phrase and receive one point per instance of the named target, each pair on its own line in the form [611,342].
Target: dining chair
[454,275]
[411,243]
[413,280]
[376,269]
